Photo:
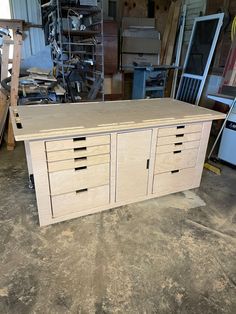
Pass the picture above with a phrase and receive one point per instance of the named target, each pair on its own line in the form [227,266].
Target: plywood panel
[39,166]
[133,152]
[179,138]
[176,160]
[76,202]
[77,142]
[172,182]
[179,145]
[79,162]
[50,121]
[180,129]
[78,153]
[79,178]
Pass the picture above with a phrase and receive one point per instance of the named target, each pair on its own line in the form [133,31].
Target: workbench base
[83,175]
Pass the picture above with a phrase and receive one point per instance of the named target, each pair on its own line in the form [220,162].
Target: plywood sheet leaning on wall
[134,8]
[169,36]
[161,14]
[139,8]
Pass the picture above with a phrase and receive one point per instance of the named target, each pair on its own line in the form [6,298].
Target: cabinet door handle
[178,144]
[177,151]
[180,126]
[179,135]
[148,162]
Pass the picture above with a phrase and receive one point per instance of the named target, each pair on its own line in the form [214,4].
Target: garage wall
[30,11]
[194,9]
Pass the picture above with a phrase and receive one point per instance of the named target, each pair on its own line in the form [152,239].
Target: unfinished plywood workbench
[90,157]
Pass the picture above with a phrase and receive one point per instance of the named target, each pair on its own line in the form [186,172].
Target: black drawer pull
[80,149]
[80,168]
[180,126]
[148,162]
[179,135]
[77,139]
[175,171]
[19,125]
[80,158]
[178,144]
[81,191]
[177,151]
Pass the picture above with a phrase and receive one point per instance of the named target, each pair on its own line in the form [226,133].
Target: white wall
[5,12]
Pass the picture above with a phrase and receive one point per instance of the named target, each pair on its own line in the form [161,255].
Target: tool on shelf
[150,81]
[75,32]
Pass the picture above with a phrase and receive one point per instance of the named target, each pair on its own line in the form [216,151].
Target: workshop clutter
[140,42]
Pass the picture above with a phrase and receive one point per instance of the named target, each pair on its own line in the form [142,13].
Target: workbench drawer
[77,142]
[78,162]
[80,200]
[78,152]
[176,181]
[176,160]
[180,129]
[79,178]
[178,138]
[177,146]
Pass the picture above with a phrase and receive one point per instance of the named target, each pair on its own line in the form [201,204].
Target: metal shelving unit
[76,36]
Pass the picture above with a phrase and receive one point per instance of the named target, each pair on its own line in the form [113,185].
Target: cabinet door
[133,153]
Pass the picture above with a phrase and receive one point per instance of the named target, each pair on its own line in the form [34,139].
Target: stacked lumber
[168,41]
[10,100]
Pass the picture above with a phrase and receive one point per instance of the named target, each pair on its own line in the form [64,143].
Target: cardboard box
[141,59]
[141,45]
[140,22]
[140,39]
[141,33]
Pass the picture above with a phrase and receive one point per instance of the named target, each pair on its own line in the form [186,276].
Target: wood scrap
[59,90]
[170,33]
[39,77]
[5,57]
[167,31]
[38,71]
[4,105]
[4,74]
[14,84]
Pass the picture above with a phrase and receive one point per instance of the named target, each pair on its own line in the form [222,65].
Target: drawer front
[77,142]
[78,162]
[172,182]
[180,129]
[178,138]
[79,201]
[79,178]
[78,153]
[177,146]
[176,160]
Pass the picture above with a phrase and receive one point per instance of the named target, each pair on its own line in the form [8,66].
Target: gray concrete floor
[175,254]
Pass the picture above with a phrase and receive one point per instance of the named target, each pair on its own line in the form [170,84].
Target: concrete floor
[175,254]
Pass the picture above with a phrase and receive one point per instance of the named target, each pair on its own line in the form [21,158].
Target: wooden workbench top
[49,121]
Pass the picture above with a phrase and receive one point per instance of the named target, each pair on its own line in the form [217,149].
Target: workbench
[90,157]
